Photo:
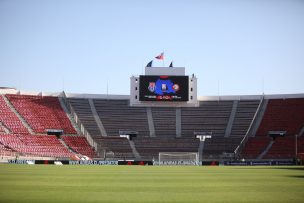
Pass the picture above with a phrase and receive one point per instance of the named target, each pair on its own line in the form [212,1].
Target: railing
[74,115]
[245,139]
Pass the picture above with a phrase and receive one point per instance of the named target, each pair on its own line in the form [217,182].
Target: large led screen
[163,88]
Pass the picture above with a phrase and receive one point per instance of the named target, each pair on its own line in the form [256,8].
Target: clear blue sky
[80,46]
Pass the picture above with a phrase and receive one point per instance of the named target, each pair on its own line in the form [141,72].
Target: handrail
[74,116]
[245,139]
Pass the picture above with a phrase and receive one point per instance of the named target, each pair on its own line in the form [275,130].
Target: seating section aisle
[9,119]
[80,145]
[38,145]
[42,113]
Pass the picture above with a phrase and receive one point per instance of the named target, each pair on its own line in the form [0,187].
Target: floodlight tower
[202,136]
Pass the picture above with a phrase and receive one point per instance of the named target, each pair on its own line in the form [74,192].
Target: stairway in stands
[134,150]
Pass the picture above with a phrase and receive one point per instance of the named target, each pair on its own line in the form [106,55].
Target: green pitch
[49,183]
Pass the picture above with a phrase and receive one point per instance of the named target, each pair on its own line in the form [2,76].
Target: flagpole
[163,58]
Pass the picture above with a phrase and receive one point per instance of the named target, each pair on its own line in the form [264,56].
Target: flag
[171,64]
[149,64]
[160,57]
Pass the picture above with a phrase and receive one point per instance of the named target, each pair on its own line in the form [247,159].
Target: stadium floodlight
[202,135]
[275,134]
[280,133]
[129,134]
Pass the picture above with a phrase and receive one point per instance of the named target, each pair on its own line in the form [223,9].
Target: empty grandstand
[240,123]
[161,115]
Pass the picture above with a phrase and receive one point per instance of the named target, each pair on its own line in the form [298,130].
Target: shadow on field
[281,168]
[299,176]
[290,168]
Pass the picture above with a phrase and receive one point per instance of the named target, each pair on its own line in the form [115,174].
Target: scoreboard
[163,88]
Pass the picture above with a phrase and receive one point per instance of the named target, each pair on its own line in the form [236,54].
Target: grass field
[50,183]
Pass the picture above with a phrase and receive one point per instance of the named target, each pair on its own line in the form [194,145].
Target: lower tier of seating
[38,145]
[254,147]
[80,145]
[285,147]
[218,147]
[149,148]
[6,151]
[114,147]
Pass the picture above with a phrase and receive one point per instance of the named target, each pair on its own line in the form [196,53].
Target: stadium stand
[209,116]
[243,117]
[38,145]
[6,151]
[114,147]
[283,147]
[280,115]
[80,145]
[283,114]
[164,121]
[117,115]
[9,119]
[42,112]
[83,110]
[149,147]
[255,146]
[45,112]
[1,129]
[216,147]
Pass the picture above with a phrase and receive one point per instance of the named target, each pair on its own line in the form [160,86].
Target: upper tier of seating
[117,115]
[210,116]
[9,119]
[42,113]
[283,114]
[80,145]
[38,145]
[164,119]
[84,113]
[243,117]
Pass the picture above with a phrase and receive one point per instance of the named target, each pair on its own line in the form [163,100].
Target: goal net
[178,158]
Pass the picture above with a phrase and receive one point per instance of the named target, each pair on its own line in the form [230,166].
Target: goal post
[178,158]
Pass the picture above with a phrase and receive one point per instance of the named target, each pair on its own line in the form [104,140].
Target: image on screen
[163,88]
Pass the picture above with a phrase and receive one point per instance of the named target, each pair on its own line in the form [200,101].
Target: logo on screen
[163,86]
[151,87]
